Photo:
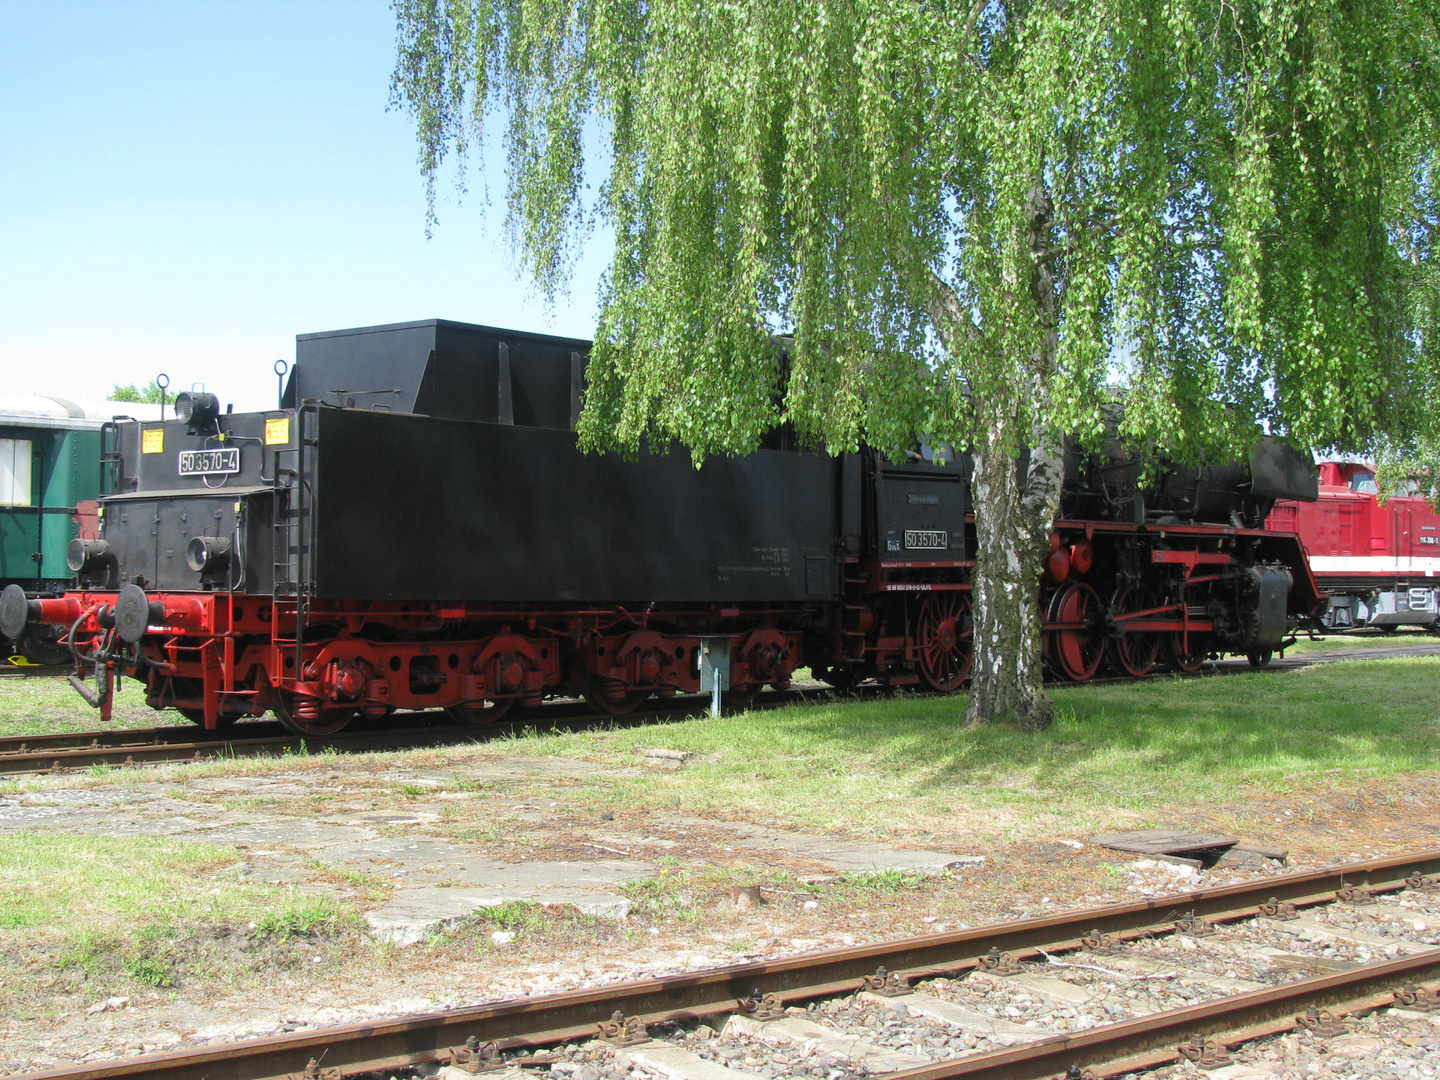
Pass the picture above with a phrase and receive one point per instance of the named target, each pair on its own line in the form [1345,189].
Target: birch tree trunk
[1014,515]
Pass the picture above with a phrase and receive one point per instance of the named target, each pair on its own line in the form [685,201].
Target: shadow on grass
[1172,736]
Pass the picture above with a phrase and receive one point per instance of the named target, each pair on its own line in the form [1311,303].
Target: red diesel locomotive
[1377,564]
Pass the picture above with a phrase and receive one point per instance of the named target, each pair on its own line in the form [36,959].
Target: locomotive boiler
[415,528]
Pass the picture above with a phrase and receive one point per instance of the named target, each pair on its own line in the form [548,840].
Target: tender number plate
[926,540]
[210,462]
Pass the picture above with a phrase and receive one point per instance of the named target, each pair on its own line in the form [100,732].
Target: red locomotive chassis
[1135,598]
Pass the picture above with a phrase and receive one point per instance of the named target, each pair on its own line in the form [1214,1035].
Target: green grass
[93,913]
[889,764]
[43,704]
[1360,640]
[301,916]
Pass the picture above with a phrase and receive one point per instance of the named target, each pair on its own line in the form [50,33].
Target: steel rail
[1148,1041]
[551,1018]
[69,751]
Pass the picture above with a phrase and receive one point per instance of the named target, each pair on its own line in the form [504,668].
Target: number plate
[926,540]
[210,462]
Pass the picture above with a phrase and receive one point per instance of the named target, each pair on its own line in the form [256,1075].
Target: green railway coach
[49,482]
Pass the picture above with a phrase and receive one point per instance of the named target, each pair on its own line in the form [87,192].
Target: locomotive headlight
[208,554]
[197,408]
[84,555]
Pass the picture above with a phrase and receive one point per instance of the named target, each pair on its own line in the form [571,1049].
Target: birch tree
[979,219]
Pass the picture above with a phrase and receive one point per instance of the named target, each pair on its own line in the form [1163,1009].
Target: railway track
[30,671]
[781,1005]
[72,751]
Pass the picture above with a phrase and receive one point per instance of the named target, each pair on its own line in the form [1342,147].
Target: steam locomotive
[415,528]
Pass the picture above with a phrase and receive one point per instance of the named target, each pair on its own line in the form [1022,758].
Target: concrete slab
[513,1072]
[1301,927]
[246,785]
[306,834]
[1057,990]
[963,1019]
[1143,966]
[412,915]
[680,1064]
[847,856]
[794,1031]
[456,863]
[1287,961]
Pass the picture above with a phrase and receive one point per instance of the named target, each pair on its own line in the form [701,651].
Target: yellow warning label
[152,440]
[277,431]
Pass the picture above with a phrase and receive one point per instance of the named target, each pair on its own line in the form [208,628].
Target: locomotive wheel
[605,701]
[330,720]
[1259,659]
[944,638]
[34,645]
[1076,652]
[485,712]
[1134,653]
[1191,661]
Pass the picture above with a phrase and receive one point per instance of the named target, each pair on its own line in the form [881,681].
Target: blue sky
[187,186]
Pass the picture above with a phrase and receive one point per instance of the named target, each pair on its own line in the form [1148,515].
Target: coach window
[15,455]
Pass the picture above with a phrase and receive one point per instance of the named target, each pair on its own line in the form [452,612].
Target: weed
[517,915]
[307,916]
[879,881]
[411,791]
[88,950]
[150,971]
